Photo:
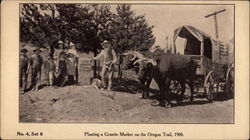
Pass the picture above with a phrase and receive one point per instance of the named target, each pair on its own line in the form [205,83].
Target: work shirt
[63,56]
[46,65]
[24,62]
[109,56]
[52,66]
[57,54]
[36,61]
[46,58]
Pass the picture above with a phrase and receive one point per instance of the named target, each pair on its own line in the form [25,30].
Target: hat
[71,44]
[105,42]
[23,50]
[60,42]
[37,49]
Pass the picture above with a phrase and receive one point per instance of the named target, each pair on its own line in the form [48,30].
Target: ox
[169,67]
[129,58]
[130,61]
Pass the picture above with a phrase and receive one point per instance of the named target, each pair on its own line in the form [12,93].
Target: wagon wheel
[211,86]
[230,83]
[175,87]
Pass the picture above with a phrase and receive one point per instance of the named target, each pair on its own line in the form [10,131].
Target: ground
[84,104]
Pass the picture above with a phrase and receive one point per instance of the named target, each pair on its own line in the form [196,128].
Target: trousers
[36,77]
[23,80]
[51,78]
[107,75]
[62,76]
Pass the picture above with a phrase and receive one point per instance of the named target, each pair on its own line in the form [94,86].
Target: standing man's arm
[98,56]
[76,58]
[56,60]
[76,53]
[76,61]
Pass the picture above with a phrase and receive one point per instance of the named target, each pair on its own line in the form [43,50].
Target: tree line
[86,25]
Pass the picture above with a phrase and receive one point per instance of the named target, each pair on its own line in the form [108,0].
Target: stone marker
[85,71]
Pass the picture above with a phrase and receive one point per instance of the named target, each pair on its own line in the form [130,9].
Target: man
[46,65]
[36,65]
[23,70]
[72,50]
[71,69]
[57,51]
[60,57]
[109,59]
[52,69]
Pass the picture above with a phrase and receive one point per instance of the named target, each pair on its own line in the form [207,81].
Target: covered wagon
[215,72]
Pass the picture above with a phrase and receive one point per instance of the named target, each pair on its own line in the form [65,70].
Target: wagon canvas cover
[200,43]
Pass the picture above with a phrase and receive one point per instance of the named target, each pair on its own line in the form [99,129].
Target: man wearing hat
[60,57]
[36,62]
[109,59]
[58,50]
[72,50]
[23,70]
[61,65]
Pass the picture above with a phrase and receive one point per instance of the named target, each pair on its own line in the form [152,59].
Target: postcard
[124,69]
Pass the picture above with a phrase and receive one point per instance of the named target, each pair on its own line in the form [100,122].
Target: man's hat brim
[106,42]
[60,42]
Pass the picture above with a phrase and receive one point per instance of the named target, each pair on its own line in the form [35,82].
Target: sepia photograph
[126,63]
[124,69]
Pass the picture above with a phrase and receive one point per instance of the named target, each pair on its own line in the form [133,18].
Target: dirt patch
[78,104]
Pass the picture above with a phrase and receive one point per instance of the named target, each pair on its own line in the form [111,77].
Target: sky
[166,18]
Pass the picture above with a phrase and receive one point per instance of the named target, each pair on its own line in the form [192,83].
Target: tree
[86,25]
[75,24]
[30,21]
[143,34]
[130,32]
[101,20]
[37,27]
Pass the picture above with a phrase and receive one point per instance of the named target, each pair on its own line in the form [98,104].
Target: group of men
[61,68]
